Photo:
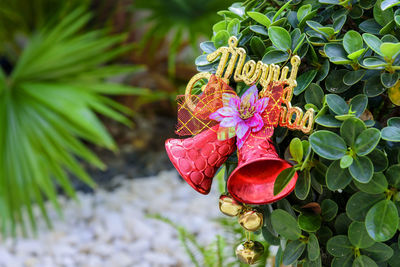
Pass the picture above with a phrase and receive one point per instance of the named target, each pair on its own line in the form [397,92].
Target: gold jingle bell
[249,252]
[229,206]
[251,220]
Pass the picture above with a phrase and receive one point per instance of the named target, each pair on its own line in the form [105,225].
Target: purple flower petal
[230,121]
[234,103]
[250,96]
[216,116]
[241,129]
[257,123]
[240,141]
[261,104]
[226,111]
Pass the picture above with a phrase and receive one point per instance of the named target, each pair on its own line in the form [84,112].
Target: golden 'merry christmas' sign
[233,62]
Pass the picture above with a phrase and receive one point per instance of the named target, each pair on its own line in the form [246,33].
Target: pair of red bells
[199,157]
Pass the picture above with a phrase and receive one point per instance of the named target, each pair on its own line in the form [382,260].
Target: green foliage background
[345,208]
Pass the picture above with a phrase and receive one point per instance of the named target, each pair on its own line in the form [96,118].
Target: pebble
[114,228]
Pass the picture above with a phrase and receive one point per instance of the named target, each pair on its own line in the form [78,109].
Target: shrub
[345,208]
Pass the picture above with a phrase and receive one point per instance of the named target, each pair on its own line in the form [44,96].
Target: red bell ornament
[198,158]
[252,182]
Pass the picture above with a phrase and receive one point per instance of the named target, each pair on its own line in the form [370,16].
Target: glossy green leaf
[283,179]
[234,27]
[346,261]
[296,149]
[280,37]
[378,184]
[260,18]
[390,50]
[364,261]
[309,222]
[328,120]
[339,246]
[293,251]
[391,134]
[313,247]
[352,77]
[334,82]
[303,185]
[373,86]
[328,145]
[303,81]
[352,41]
[379,160]
[342,223]
[385,4]
[361,169]
[285,225]
[259,29]
[337,104]
[359,204]
[314,95]
[358,235]
[392,175]
[351,129]
[383,17]
[395,259]
[382,220]
[373,42]
[367,141]
[346,161]
[329,209]
[389,79]
[359,104]
[379,252]
[221,38]
[257,46]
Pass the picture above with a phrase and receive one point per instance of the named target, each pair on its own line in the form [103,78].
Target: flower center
[246,111]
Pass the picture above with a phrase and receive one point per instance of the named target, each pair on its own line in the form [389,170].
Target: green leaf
[359,104]
[379,160]
[303,11]
[352,77]
[379,252]
[334,50]
[339,246]
[373,86]
[391,134]
[234,27]
[328,145]
[314,95]
[367,141]
[275,56]
[334,81]
[374,63]
[361,169]
[392,175]
[328,120]
[352,41]
[309,222]
[337,104]
[283,180]
[397,20]
[382,220]
[395,122]
[346,161]
[303,81]
[280,38]
[337,177]
[296,149]
[389,79]
[260,18]
[353,56]
[373,42]
[293,251]
[378,184]
[364,261]
[303,185]
[313,247]
[329,209]
[358,235]
[395,259]
[346,261]
[257,46]
[359,204]
[342,223]
[259,29]
[389,3]
[285,225]
[383,17]
[221,38]
[390,50]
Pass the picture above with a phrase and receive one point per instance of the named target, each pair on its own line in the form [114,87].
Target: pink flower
[243,114]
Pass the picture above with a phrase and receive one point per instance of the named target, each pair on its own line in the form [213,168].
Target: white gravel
[112,229]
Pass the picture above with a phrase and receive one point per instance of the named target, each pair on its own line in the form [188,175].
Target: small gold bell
[229,206]
[249,252]
[251,220]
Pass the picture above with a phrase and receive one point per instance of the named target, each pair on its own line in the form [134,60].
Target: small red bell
[198,158]
[252,182]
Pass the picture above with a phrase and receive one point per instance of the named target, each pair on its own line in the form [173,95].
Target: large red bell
[198,158]
[252,182]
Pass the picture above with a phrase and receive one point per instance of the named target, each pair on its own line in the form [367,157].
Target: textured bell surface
[252,182]
[198,158]
[249,252]
[251,220]
[229,206]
